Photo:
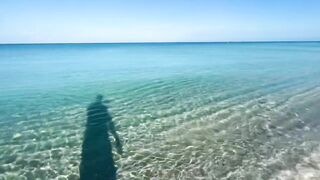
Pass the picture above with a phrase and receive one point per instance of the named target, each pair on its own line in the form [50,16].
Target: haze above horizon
[97,21]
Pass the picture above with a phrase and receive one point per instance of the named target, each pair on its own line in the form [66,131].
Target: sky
[75,21]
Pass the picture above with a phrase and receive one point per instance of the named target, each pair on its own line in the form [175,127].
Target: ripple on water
[175,131]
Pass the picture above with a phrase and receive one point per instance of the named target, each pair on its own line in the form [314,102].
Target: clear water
[182,110]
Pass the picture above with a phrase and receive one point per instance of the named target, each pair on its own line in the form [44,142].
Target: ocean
[182,110]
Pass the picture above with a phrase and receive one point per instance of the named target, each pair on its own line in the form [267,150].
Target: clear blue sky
[29,21]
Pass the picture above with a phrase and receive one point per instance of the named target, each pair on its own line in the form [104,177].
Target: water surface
[183,110]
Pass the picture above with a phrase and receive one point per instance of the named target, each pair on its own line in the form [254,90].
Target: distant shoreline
[186,42]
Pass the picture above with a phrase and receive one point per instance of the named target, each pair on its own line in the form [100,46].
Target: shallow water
[183,110]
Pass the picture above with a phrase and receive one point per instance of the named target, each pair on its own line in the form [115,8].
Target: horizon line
[161,42]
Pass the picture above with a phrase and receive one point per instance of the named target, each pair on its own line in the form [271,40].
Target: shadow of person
[96,156]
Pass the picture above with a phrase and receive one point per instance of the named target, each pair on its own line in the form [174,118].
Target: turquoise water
[182,110]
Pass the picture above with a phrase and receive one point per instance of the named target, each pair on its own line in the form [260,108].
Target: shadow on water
[96,156]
